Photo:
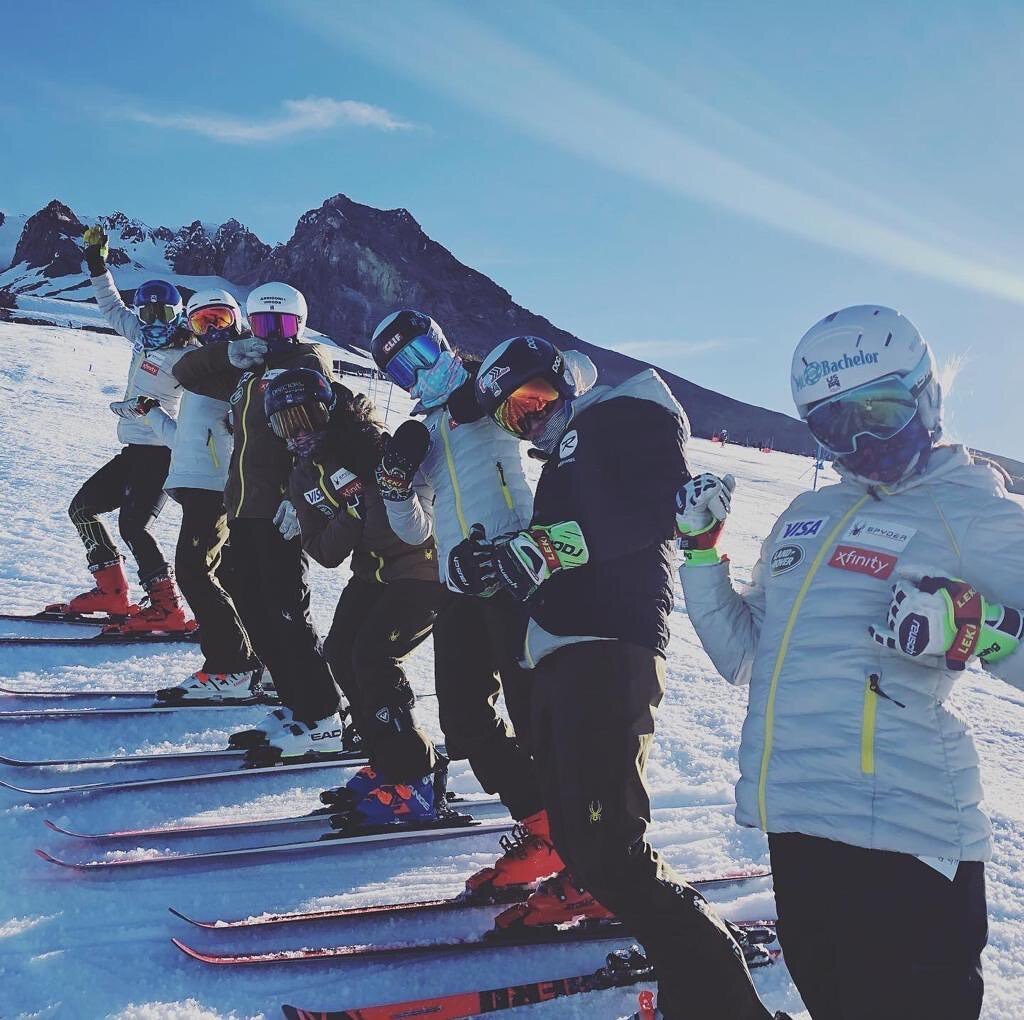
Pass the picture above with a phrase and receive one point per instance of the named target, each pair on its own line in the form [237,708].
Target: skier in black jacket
[595,569]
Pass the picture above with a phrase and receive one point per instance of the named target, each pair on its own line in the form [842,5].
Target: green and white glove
[946,617]
[97,249]
[702,505]
[524,560]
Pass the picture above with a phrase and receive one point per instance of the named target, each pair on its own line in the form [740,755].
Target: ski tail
[625,967]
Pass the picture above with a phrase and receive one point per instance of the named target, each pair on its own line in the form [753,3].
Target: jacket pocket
[211,445]
[872,692]
[505,491]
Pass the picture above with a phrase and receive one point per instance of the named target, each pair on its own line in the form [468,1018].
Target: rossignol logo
[567,447]
[817,370]
[786,557]
[803,529]
[489,380]
[863,561]
[885,534]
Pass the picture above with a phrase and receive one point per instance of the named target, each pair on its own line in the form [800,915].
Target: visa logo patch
[314,496]
[803,529]
[863,561]
[884,534]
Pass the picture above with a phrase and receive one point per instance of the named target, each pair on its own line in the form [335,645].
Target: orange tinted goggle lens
[529,400]
[211,317]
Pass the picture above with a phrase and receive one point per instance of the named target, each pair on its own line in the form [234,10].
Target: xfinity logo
[863,561]
[818,370]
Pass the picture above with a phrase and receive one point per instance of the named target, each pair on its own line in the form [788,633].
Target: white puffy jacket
[845,739]
[149,374]
[200,442]
[473,473]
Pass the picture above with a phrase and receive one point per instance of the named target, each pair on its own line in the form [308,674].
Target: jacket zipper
[872,692]
[241,453]
[780,659]
[504,485]
[443,429]
[212,447]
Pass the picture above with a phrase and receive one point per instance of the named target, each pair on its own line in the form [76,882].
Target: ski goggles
[419,353]
[526,409]
[155,312]
[881,409]
[268,324]
[212,317]
[299,420]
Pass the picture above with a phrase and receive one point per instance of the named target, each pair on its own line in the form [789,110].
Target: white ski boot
[214,687]
[263,731]
[300,739]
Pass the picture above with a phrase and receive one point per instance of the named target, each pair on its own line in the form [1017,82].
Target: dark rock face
[51,241]
[232,252]
[356,264]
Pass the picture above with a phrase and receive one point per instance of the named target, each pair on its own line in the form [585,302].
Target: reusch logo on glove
[863,561]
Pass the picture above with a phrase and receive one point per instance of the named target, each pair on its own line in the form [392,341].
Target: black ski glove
[402,458]
[96,250]
[471,566]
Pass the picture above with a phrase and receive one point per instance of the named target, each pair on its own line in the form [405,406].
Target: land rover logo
[786,557]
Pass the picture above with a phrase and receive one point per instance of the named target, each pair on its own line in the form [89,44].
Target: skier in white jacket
[868,600]
[132,481]
[201,442]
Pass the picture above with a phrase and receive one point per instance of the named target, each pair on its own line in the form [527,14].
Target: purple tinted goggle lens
[268,324]
[419,353]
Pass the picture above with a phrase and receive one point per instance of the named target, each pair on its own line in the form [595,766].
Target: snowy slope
[89,947]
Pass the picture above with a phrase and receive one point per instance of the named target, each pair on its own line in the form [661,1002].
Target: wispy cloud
[491,73]
[666,350]
[300,116]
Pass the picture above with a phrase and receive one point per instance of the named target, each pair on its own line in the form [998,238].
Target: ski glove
[247,352]
[947,617]
[702,506]
[402,459]
[134,407]
[520,562]
[287,520]
[471,569]
[97,249]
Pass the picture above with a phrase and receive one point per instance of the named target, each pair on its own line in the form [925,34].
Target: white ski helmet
[213,298]
[279,300]
[858,345]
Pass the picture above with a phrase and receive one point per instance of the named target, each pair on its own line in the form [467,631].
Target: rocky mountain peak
[51,241]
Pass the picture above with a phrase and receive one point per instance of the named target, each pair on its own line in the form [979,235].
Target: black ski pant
[270,588]
[477,644]
[197,563]
[375,627]
[593,723]
[132,482]
[870,933]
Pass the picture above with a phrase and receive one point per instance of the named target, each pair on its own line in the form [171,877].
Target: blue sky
[694,184]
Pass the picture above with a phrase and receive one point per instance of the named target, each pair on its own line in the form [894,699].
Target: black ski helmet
[400,330]
[514,363]
[298,402]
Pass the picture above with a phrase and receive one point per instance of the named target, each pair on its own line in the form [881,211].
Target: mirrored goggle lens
[880,409]
[157,313]
[300,420]
[528,407]
[212,317]
[419,353]
[268,324]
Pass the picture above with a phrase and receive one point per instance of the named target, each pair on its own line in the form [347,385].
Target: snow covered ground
[85,946]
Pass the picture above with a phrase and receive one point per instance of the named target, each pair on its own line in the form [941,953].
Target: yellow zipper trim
[212,447]
[380,566]
[241,453]
[780,658]
[867,732]
[504,485]
[443,429]
[323,488]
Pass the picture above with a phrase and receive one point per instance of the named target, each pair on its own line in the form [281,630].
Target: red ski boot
[556,901]
[110,595]
[529,855]
[164,613]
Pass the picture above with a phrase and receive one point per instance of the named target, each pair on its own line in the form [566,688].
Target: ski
[124,759]
[515,894]
[622,968]
[79,619]
[149,637]
[756,932]
[465,825]
[317,816]
[94,713]
[342,761]
[95,694]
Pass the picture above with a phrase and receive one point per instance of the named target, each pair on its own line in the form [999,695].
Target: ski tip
[185,917]
[50,859]
[195,954]
[15,789]
[54,827]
